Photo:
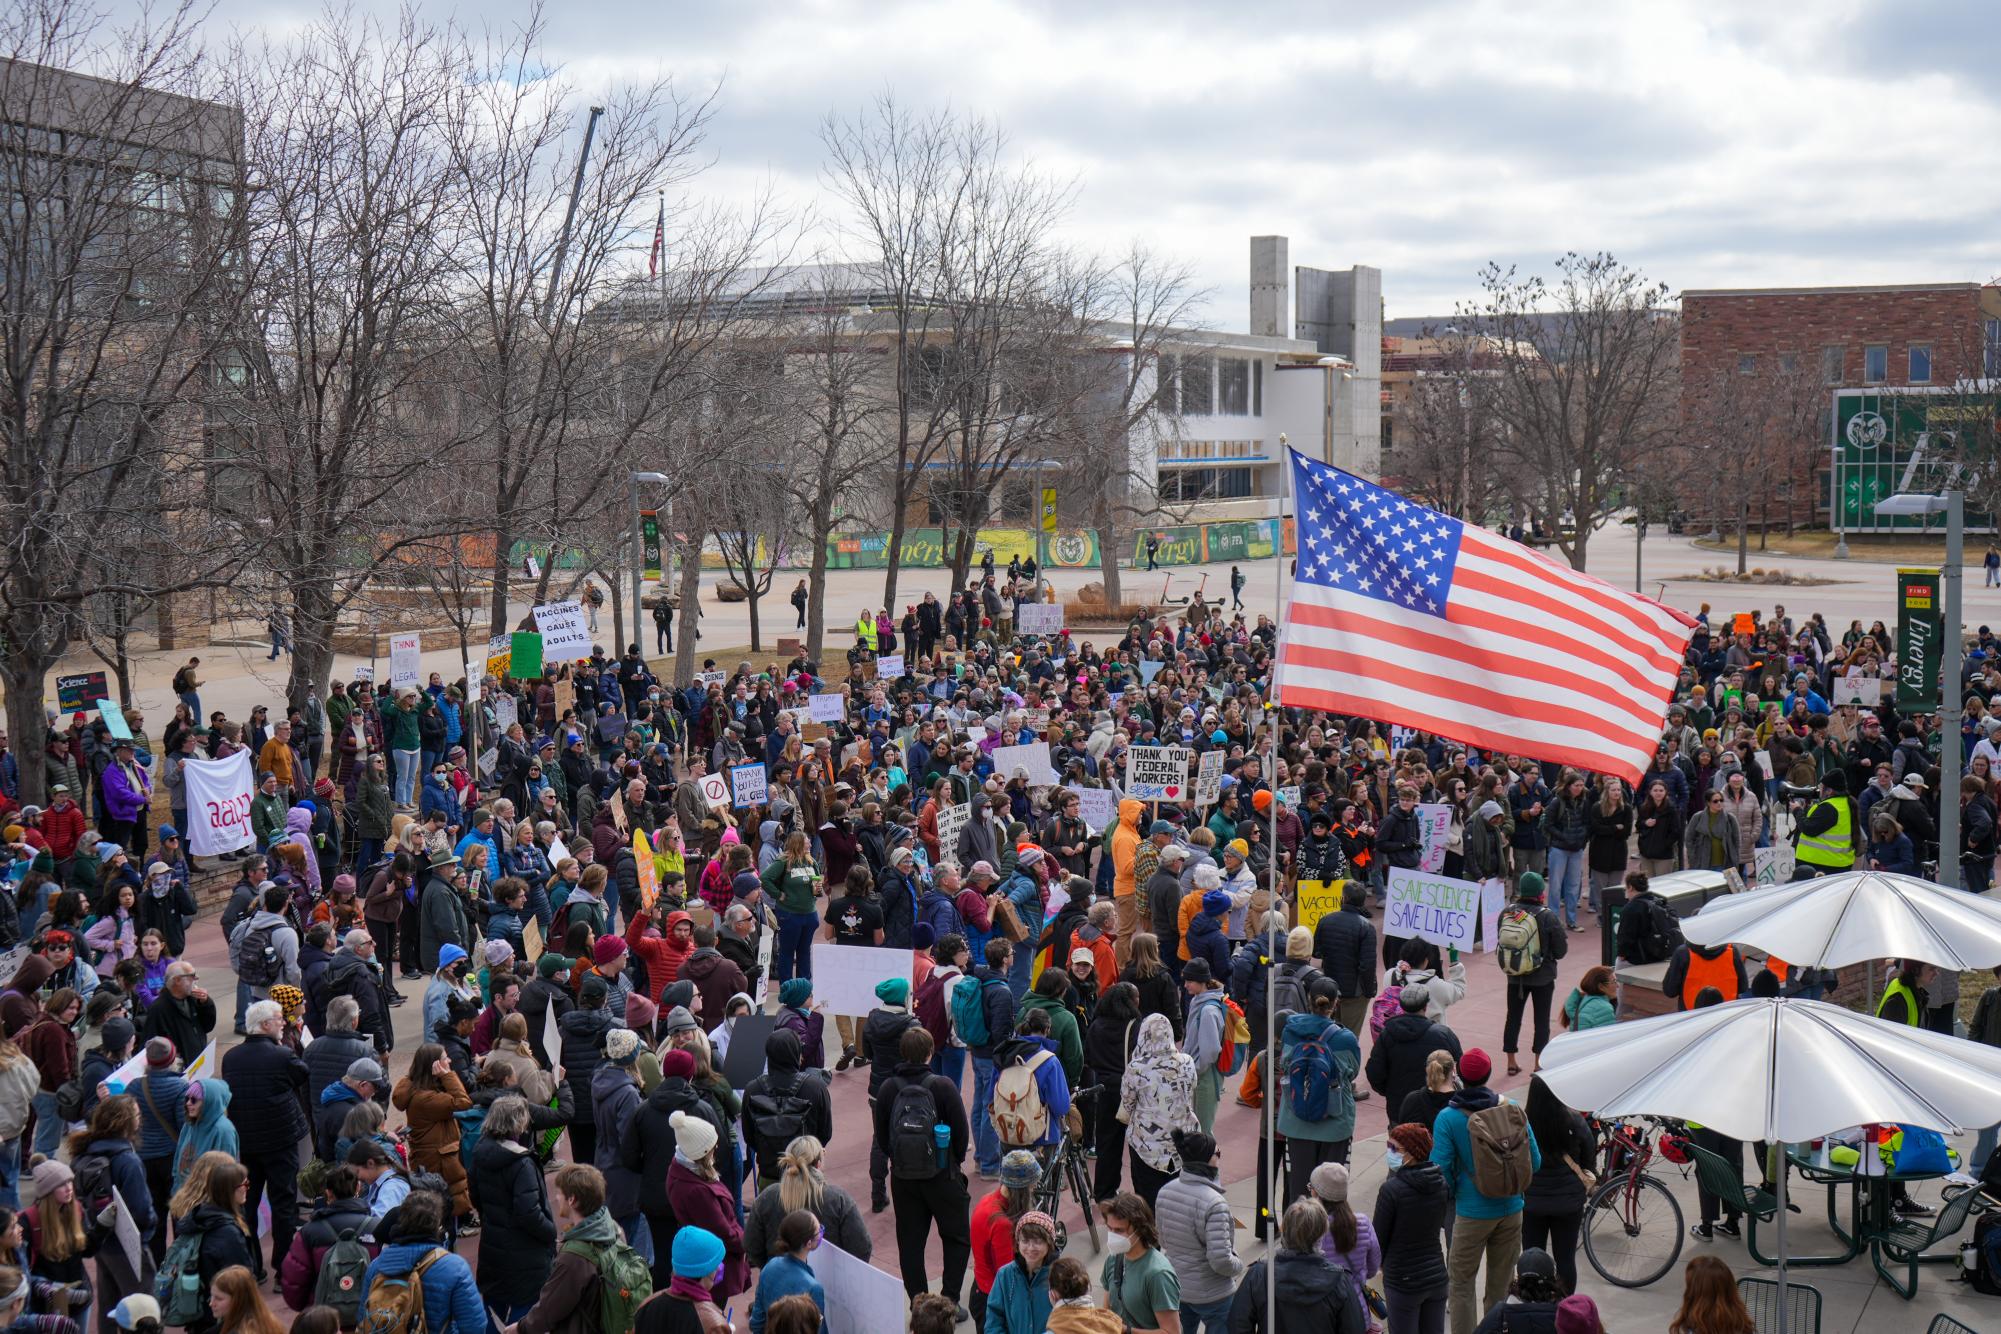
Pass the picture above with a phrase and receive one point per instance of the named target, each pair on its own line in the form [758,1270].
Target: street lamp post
[639,552]
[1952,503]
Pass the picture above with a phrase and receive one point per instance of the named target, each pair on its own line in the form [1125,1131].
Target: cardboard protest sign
[531,939]
[475,669]
[858,1294]
[506,712]
[1096,806]
[405,658]
[1866,691]
[1290,796]
[716,790]
[1317,898]
[1209,778]
[1039,618]
[951,822]
[1743,624]
[1493,901]
[845,976]
[499,651]
[1432,907]
[889,665]
[1157,773]
[1773,865]
[749,785]
[827,708]
[565,632]
[1434,822]
[1033,757]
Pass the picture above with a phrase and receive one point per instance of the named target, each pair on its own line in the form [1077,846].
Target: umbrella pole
[1785,1170]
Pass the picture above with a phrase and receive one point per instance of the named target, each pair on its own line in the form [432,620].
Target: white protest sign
[365,672]
[1096,806]
[1773,866]
[1866,691]
[203,1066]
[716,790]
[1764,758]
[1209,778]
[1401,737]
[1039,618]
[951,822]
[889,664]
[126,1230]
[219,794]
[1157,773]
[475,674]
[128,1073]
[1148,669]
[1434,823]
[1431,907]
[828,708]
[976,732]
[1493,899]
[559,851]
[749,785]
[799,716]
[552,1038]
[113,714]
[405,653]
[858,1294]
[1033,757]
[506,712]
[845,976]
[565,634]
[1290,796]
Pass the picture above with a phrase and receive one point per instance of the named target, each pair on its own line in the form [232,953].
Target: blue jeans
[192,698]
[1210,1317]
[950,1062]
[1020,967]
[406,776]
[793,956]
[986,1140]
[48,1124]
[1566,880]
[10,1174]
[243,999]
[639,1236]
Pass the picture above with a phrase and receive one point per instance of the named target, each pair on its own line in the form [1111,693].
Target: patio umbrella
[1856,917]
[1777,1070]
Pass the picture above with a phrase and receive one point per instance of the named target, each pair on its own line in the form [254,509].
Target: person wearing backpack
[1293,988]
[264,947]
[1484,1148]
[982,1008]
[309,1273]
[1649,932]
[920,1125]
[784,1103]
[1402,1051]
[1205,1039]
[932,1003]
[1031,1104]
[417,1285]
[1318,1060]
[882,1032]
[576,1298]
[1528,943]
[105,1161]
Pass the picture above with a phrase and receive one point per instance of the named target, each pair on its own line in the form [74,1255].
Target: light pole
[639,553]
[1953,504]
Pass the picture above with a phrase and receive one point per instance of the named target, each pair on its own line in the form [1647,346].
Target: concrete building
[1850,346]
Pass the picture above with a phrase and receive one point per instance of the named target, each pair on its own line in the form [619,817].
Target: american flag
[1407,615]
[659,248]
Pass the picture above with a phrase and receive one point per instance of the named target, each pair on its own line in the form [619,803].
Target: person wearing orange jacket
[1125,886]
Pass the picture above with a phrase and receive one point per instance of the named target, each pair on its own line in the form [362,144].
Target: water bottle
[941,1135]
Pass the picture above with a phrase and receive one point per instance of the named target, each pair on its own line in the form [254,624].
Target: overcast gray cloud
[1824,141]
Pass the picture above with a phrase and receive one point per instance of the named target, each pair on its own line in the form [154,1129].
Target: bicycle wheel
[1081,1188]
[1632,1231]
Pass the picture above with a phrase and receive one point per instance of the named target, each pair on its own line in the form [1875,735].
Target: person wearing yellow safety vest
[1904,1003]
[865,631]
[1827,832]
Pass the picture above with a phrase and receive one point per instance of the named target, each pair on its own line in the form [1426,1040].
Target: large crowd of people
[535,866]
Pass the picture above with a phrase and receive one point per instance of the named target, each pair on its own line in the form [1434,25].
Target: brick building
[1817,341]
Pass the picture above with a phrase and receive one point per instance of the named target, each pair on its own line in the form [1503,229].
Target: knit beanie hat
[160,1053]
[1330,1182]
[677,1064]
[893,991]
[51,1176]
[693,1135]
[621,1046]
[698,1252]
[1413,1140]
[1299,943]
[1577,1314]
[795,991]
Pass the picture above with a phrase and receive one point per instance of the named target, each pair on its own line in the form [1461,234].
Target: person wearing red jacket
[62,824]
[664,955]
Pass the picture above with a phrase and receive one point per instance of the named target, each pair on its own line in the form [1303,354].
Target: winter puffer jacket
[1409,1218]
[1317,1296]
[1396,1062]
[1197,1234]
[518,1241]
[583,1047]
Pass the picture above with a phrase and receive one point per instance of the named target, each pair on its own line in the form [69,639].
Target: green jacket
[1063,1028]
[1589,1011]
[399,726]
[267,817]
[338,709]
[373,810]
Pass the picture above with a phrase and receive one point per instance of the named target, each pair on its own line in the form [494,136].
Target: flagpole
[1273,1088]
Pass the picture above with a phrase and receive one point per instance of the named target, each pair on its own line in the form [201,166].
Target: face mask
[1393,1159]
[1118,1243]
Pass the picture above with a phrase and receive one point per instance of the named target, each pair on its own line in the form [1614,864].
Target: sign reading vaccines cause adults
[1431,907]
[1434,824]
[748,785]
[828,708]
[219,805]
[1157,773]
[1209,778]
[405,651]
[565,634]
[1039,618]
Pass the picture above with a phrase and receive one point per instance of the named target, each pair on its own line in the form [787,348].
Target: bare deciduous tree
[1447,433]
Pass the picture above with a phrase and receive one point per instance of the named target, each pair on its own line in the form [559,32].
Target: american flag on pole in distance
[659,248]
[1406,615]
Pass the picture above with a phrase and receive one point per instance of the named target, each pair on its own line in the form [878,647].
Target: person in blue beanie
[788,1270]
[685,1308]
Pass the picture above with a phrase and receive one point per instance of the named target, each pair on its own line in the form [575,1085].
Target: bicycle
[1065,1166]
[1632,1223]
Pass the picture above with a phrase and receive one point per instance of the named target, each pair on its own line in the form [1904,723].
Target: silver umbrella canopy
[1856,917]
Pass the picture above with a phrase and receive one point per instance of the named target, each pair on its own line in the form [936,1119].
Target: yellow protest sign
[649,874]
[1317,898]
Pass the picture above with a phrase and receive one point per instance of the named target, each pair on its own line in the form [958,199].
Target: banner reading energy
[1918,638]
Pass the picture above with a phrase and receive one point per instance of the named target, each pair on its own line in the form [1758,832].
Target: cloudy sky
[1822,141]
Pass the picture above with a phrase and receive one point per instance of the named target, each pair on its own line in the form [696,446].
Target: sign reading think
[1096,807]
[1209,778]
[405,652]
[1918,635]
[749,785]
[1432,907]
[1317,898]
[1434,822]
[1039,618]
[1157,773]
[565,633]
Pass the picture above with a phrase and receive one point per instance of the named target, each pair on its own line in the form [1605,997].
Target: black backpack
[775,1118]
[1661,935]
[93,1192]
[257,957]
[913,1147]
